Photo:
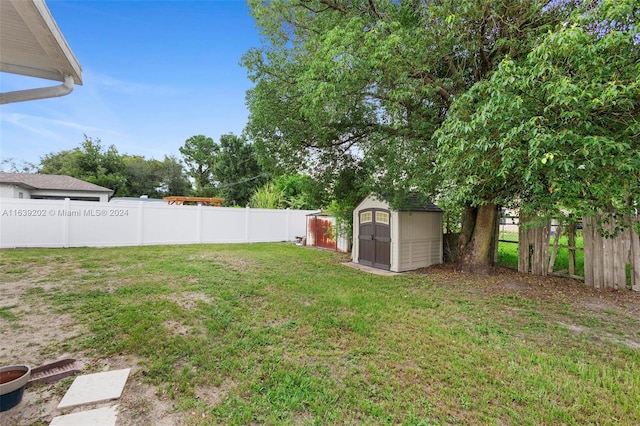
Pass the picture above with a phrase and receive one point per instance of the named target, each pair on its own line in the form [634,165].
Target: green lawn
[288,335]
[508,252]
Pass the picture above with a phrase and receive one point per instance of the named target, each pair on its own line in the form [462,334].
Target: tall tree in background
[173,180]
[154,178]
[90,162]
[199,154]
[127,175]
[375,79]
[143,176]
[236,170]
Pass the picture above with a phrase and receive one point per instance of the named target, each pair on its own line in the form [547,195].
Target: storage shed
[398,240]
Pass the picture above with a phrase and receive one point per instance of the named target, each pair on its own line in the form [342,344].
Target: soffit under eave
[31,43]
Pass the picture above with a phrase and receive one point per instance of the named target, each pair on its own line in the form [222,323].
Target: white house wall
[13,191]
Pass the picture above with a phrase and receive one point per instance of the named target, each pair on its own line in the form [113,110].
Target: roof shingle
[55,182]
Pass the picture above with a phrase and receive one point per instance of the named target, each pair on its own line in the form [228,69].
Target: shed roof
[32,44]
[50,182]
[411,202]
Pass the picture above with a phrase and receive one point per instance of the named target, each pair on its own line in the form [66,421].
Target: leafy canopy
[558,129]
[372,80]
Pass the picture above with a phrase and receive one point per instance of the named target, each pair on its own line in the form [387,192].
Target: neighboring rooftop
[50,182]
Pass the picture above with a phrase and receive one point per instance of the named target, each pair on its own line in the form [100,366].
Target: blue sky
[154,73]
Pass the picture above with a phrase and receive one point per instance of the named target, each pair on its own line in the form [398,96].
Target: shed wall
[419,241]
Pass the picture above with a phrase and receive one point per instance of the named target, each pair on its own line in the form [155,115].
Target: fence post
[247,237]
[65,223]
[286,236]
[199,224]
[554,251]
[524,256]
[572,250]
[140,223]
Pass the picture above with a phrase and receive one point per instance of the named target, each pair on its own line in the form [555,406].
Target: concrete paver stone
[105,416]
[371,270]
[95,387]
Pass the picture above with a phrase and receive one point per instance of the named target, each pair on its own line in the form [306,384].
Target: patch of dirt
[141,404]
[596,304]
[213,395]
[512,285]
[235,263]
[619,306]
[32,333]
[189,299]
[573,328]
[34,329]
[506,281]
[178,328]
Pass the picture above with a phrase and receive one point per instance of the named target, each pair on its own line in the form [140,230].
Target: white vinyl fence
[65,223]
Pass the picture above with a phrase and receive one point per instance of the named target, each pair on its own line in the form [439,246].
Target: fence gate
[322,233]
[533,248]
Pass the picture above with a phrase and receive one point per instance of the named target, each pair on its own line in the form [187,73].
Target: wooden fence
[533,249]
[606,260]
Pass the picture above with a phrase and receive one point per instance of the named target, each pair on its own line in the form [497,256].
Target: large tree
[154,178]
[143,176]
[375,79]
[199,153]
[558,130]
[236,170]
[91,162]
[173,179]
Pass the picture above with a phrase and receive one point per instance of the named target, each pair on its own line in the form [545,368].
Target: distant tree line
[128,175]
[231,168]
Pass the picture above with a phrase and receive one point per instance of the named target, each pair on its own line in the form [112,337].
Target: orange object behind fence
[204,201]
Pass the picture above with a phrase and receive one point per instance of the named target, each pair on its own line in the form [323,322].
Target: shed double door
[374,240]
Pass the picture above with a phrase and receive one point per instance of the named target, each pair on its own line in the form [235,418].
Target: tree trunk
[478,239]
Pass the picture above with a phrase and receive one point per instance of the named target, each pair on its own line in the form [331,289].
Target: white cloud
[46,127]
[109,83]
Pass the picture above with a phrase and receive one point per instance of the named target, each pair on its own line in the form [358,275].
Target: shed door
[375,238]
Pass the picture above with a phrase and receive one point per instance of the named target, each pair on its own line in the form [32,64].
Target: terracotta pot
[13,379]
